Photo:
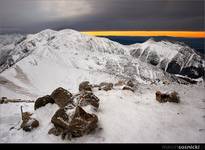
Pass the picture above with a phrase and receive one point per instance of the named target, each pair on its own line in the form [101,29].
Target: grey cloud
[35,15]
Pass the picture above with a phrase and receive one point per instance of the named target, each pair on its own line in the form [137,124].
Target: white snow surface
[123,117]
[65,59]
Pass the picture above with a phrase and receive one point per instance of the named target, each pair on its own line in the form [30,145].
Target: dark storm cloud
[35,15]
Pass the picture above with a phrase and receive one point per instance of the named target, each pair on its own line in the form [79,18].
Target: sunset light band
[187,34]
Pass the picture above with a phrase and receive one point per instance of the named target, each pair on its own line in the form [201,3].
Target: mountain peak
[163,55]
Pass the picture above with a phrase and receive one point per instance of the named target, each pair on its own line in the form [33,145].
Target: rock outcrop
[42,101]
[73,121]
[85,99]
[85,86]
[105,86]
[62,97]
[164,97]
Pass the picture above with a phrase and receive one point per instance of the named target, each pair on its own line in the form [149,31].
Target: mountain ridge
[47,58]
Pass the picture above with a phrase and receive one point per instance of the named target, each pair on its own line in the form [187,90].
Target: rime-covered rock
[73,121]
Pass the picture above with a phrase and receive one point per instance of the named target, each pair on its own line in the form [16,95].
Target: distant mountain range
[197,43]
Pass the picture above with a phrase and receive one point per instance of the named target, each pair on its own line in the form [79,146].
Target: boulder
[28,123]
[85,99]
[62,97]
[164,97]
[42,101]
[82,122]
[125,82]
[85,86]
[3,100]
[174,97]
[105,86]
[73,121]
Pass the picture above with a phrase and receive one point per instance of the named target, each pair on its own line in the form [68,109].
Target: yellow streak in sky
[188,34]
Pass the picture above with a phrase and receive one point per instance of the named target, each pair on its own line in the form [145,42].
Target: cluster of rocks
[126,85]
[107,86]
[167,97]
[70,120]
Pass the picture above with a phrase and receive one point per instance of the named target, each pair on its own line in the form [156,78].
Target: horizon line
[188,34]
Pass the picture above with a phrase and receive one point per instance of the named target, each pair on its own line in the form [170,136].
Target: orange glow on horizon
[188,34]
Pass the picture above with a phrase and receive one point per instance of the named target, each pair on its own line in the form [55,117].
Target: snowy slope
[123,117]
[172,57]
[49,59]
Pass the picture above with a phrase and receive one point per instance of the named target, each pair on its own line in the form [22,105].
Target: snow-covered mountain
[49,57]
[174,58]
[7,45]
[37,64]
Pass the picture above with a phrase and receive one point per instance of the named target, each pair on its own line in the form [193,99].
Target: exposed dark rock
[128,88]
[193,72]
[42,101]
[174,97]
[130,83]
[105,86]
[28,123]
[164,97]
[61,96]
[87,98]
[85,86]
[3,100]
[74,121]
[82,122]
[173,67]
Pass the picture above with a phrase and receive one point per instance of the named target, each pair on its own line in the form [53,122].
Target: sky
[29,16]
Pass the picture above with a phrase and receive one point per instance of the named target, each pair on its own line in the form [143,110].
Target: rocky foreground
[77,113]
